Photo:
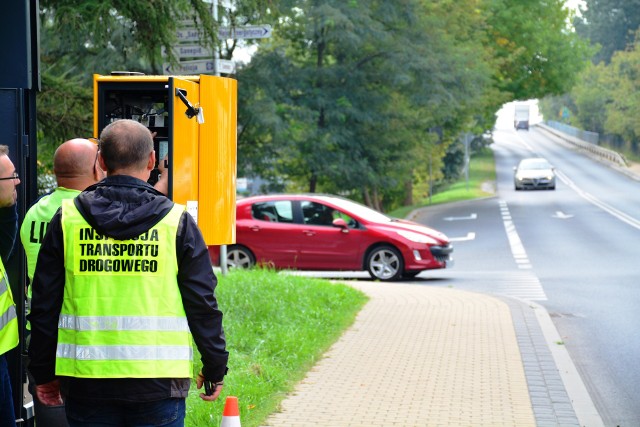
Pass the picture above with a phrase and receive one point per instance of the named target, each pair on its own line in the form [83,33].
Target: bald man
[76,167]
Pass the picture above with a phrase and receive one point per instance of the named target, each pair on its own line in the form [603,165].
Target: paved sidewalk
[425,356]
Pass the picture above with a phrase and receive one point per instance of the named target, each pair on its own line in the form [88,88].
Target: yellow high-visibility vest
[8,318]
[122,314]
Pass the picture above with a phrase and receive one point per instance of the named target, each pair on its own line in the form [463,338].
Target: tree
[610,24]
[623,108]
[359,85]
[536,52]
[591,95]
[345,94]
[80,38]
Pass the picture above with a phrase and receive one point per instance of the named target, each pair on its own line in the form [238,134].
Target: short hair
[125,144]
[4,150]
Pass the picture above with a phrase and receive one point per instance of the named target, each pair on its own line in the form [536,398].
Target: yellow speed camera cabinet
[193,119]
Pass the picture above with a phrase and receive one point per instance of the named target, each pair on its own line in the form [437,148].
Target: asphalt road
[574,250]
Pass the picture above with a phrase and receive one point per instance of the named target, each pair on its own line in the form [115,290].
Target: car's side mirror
[341,223]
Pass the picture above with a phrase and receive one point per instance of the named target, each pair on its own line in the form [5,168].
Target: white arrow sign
[469,236]
[200,67]
[562,215]
[460,218]
[246,32]
[190,51]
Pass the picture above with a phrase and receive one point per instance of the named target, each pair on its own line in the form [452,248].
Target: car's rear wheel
[239,257]
[385,263]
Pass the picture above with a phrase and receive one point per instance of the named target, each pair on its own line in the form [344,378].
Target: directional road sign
[245,32]
[190,51]
[200,67]
[188,34]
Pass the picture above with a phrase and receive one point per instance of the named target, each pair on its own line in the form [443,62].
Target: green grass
[481,170]
[277,327]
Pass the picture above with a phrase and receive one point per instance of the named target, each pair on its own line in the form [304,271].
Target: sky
[573,4]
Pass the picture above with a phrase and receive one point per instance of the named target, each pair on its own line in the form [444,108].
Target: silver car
[534,173]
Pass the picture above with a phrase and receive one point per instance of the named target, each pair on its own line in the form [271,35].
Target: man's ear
[151,164]
[103,166]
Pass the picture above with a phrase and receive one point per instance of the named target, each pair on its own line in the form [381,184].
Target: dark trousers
[166,413]
[7,416]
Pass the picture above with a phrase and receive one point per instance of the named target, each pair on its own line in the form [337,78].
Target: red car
[323,232]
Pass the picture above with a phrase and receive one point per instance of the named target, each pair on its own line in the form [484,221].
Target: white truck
[521,116]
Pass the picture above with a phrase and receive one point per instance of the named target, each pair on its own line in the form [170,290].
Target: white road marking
[461,218]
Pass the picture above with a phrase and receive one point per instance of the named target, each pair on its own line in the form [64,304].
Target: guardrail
[584,135]
[603,153]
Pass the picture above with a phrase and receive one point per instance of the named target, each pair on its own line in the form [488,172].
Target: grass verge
[482,170]
[277,327]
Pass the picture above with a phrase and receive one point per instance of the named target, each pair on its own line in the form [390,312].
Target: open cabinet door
[183,144]
[218,160]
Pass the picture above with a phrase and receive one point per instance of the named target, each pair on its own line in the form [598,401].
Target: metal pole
[430,177]
[466,158]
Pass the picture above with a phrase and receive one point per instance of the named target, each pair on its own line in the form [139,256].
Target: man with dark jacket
[8,318]
[123,281]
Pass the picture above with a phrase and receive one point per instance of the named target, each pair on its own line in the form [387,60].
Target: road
[574,250]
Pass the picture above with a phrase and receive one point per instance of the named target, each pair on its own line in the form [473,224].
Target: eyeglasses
[14,176]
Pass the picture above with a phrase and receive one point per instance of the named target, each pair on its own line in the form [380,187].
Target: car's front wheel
[239,257]
[385,263]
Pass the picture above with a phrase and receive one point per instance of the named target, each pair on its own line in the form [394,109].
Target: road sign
[245,32]
[188,34]
[190,51]
[200,67]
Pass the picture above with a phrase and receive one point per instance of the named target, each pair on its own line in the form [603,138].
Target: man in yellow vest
[123,282]
[75,165]
[8,318]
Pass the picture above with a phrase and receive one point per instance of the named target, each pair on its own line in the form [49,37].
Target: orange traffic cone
[231,413]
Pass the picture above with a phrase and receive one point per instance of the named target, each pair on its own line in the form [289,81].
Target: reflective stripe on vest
[8,318]
[120,352]
[122,313]
[122,323]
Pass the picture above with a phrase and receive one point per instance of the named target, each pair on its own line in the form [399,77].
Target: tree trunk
[408,195]
[367,197]
[313,181]
[376,200]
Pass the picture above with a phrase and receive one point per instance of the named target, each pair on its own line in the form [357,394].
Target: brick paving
[422,356]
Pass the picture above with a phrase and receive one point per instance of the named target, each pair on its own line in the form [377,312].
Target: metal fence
[584,135]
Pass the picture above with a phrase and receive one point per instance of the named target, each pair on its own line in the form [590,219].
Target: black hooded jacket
[124,207]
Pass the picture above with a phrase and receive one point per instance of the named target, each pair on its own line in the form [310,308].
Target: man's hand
[49,393]
[216,388]
[163,182]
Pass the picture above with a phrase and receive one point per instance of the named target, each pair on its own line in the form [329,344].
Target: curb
[582,404]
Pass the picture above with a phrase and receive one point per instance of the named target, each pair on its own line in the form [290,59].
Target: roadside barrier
[602,153]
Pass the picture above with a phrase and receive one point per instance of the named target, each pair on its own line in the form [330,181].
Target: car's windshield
[535,164]
[361,211]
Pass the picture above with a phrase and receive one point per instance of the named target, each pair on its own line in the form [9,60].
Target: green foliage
[482,176]
[609,24]
[361,86]
[591,95]
[345,95]
[536,52]
[623,108]
[605,100]
[277,327]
